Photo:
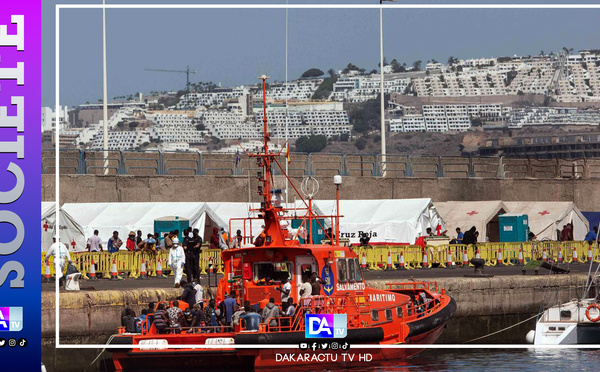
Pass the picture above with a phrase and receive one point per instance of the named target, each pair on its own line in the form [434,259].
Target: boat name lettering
[350,286]
[382,297]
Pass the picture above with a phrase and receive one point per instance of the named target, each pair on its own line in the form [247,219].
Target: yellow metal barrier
[376,257]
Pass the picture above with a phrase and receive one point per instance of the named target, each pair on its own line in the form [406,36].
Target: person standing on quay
[94,243]
[114,243]
[196,247]
[177,261]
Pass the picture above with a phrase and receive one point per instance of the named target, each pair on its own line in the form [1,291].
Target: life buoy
[587,312]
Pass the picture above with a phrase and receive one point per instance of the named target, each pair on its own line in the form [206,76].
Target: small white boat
[573,323]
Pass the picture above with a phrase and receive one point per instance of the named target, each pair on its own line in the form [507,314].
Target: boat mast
[273,233]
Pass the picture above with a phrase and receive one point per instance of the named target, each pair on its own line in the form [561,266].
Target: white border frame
[58,345]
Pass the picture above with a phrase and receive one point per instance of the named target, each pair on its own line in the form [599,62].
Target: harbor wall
[484,305]
[125,188]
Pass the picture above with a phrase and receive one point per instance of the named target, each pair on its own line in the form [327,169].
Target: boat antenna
[265,160]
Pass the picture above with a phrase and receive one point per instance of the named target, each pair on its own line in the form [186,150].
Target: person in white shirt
[94,243]
[199,293]
[177,260]
[60,254]
[305,292]
[285,289]
[291,309]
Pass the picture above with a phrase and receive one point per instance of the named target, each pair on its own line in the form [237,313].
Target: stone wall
[92,188]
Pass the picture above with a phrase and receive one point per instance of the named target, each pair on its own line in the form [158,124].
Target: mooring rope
[504,329]
[102,352]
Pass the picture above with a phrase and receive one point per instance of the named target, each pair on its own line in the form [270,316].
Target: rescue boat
[402,313]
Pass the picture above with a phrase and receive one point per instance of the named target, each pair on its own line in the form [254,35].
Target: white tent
[237,210]
[465,214]
[79,220]
[546,219]
[48,220]
[385,220]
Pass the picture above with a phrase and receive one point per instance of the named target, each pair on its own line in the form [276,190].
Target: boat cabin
[256,273]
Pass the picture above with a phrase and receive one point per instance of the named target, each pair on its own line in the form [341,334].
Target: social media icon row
[314,346]
[13,342]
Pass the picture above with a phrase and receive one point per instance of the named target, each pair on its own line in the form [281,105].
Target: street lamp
[383,160]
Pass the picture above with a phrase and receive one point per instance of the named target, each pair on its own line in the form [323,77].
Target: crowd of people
[191,313]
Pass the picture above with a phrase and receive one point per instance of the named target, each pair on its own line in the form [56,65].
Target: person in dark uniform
[196,248]
[189,257]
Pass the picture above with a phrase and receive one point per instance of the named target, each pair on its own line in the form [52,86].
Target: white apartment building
[305,123]
[301,90]
[440,118]
[174,117]
[359,88]
[327,123]
[173,133]
[582,57]
[176,126]
[121,140]
[211,99]
[276,121]
[408,123]
[229,125]
[49,119]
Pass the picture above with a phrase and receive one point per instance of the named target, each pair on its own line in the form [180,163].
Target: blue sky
[236,46]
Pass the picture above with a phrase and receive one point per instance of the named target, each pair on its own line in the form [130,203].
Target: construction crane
[187,73]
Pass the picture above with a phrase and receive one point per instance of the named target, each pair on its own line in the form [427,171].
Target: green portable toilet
[318,232]
[513,227]
[170,223]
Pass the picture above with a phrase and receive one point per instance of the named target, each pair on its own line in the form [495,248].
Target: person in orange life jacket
[223,239]
[130,243]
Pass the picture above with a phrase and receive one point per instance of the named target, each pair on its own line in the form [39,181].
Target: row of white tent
[545,218]
[390,220]
[397,220]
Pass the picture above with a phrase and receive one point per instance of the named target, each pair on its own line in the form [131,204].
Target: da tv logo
[11,319]
[326,326]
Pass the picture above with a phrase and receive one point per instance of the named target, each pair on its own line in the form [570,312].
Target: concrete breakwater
[484,305]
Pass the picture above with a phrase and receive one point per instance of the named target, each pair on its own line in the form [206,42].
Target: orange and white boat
[403,313]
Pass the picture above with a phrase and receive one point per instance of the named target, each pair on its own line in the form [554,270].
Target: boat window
[388,314]
[359,276]
[341,269]
[276,271]
[351,270]
[399,311]
[375,315]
